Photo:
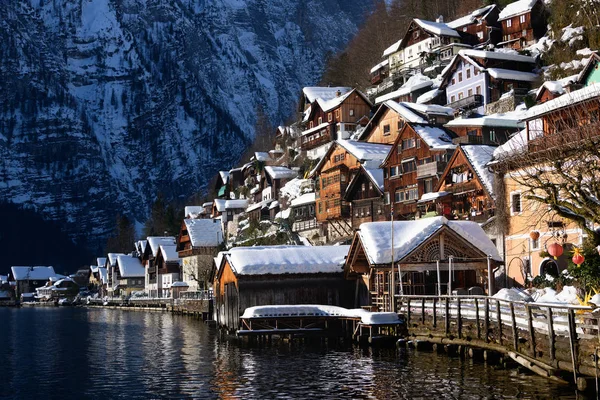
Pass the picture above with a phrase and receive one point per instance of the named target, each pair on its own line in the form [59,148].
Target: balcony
[469,139]
[430,169]
[462,187]
[467,103]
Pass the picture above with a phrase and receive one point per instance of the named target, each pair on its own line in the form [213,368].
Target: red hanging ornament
[555,250]
[534,235]
[578,258]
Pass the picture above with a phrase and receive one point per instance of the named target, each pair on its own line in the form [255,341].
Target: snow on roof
[32,273]
[430,108]
[194,211]
[179,284]
[3,278]
[471,18]
[365,151]
[414,83]
[327,105]
[428,96]
[479,156]
[156,241]
[262,260]
[380,65]
[93,268]
[516,8]
[500,120]
[169,252]
[261,156]
[295,187]
[435,137]
[509,74]
[204,232]
[392,49]
[220,204]
[432,196]
[406,113]
[236,204]
[408,235]
[103,274]
[567,99]
[376,175]
[112,258]
[273,205]
[278,172]
[324,93]
[101,261]
[208,204]
[515,145]
[306,198]
[285,214]
[436,28]
[224,176]
[316,128]
[262,204]
[497,55]
[130,267]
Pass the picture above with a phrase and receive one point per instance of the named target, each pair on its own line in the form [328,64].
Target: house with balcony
[333,175]
[303,212]
[523,23]
[413,166]
[480,27]
[493,129]
[391,116]
[476,78]
[365,193]
[334,119]
[198,243]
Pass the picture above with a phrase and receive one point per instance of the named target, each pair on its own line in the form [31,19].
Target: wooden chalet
[523,22]
[380,72]
[333,174]
[413,166]
[57,289]
[273,178]
[493,129]
[260,211]
[148,261]
[168,269]
[279,275]
[365,193]
[476,78]
[303,212]
[391,116]
[480,27]
[198,243]
[420,249]
[333,119]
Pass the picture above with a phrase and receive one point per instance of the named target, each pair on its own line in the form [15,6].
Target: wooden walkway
[546,338]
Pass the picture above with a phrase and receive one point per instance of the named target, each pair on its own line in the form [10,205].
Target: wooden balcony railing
[430,169]
[467,103]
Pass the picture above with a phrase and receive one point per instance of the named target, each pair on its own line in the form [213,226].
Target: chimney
[338,93]
[440,19]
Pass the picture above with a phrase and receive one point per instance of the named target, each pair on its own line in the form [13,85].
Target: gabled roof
[437,138]
[478,156]
[32,273]
[325,93]
[112,258]
[224,176]
[156,241]
[392,49]
[261,156]
[278,260]
[366,153]
[169,252]
[328,105]
[204,232]
[236,204]
[306,198]
[380,65]
[130,267]
[405,112]
[594,59]
[472,17]
[103,274]
[516,8]
[101,261]
[375,175]
[566,100]
[193,211]
[497,55]
[278,172]
[414,83]
[375,238]
[436,28]
[509,120]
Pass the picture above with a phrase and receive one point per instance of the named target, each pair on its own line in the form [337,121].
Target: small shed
[278,275]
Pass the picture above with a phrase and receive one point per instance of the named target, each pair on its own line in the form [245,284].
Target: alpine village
[452,204]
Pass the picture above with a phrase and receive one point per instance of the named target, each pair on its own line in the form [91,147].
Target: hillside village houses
[431,146]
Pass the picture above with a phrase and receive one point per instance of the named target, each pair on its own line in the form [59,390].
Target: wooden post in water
[572,338]
[531,331]
[459,322]
[477,318]
[551,333]
[487,320]
[447,316]
[514,327]
[423,310]
[434,312]
[408,310]
[499,318]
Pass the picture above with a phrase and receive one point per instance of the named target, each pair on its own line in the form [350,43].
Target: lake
[75,353]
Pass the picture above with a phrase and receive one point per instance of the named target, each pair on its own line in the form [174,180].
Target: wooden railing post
[499,318]
[486,326]
[408,310]
[447,316]
[434,312]
[459,321]
[477,318]
[572,339]
[551,333]
[514,327]
[423,310]
[531,330]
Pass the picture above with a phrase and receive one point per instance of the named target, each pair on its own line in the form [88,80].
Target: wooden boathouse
[278,275]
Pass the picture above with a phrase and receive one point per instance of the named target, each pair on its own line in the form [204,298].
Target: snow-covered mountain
[105,103]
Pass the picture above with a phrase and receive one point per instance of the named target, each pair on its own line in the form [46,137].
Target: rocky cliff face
[104,103]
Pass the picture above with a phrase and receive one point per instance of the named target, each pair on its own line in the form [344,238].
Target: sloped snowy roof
[103,274]
[130,267]
[169,252]
[408,235]
[328,105]
[430,108]
[516,8]
[273,205]
[500,120]
[295,187]
[261,260]
[101,261]
[306,198]
[112,258]
[509,74]
[278,172]
[428,96]
[496,55]
[322,92]
[552,86]
[316,128]
[432,196]
[224,176]
[380,65]
[366,151]
[406,113]
[204,232]
[193,211]
[32,273]
[414,83]
[179,284]
[376,175]
[471,18]
[435,137]
[436,28]
[236,204]
[567,99]
[220,204]
[479,156]
[261,156]
[93,269]
[156,241]
[392,49]
[208,204]
[515,145]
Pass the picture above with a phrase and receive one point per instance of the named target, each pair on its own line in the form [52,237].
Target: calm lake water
[77,353]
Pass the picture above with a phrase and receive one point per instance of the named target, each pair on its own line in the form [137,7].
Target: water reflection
[104,354]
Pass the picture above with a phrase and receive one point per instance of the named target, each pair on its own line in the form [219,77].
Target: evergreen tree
[122,241]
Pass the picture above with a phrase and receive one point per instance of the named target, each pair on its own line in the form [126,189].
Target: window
[337,114]
[470,92]
[515,203]
[386,198]
[475,72]
[453,81]
[419,141]
[409,166]
[352,112]
[478,90]
[415,34]
[460,76]
[398,196]
[400,124]
[370,185]
[363,187]
[508,23]
[469,73]
[329,117]
[320,207]
[408,143]
[535,244]
[394,171]
[493,137]
[428,186]
[386,129]
[320,120]
[452,99]
[310,125]
[524,33]
[522,19]
[460,95]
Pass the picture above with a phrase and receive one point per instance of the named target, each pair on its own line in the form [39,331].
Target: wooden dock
[549,339]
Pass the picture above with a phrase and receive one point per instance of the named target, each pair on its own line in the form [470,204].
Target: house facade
[365,193]
[523,22]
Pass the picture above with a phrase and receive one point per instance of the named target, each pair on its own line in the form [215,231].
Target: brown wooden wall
[395,122]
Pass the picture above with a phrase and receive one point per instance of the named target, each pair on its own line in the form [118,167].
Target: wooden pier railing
[547,338]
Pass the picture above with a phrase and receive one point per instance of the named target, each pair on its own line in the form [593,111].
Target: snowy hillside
[105,103]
